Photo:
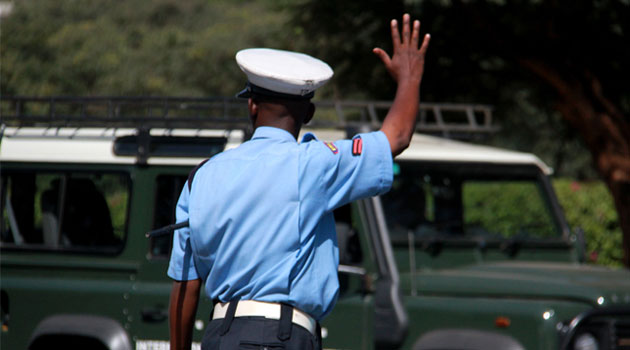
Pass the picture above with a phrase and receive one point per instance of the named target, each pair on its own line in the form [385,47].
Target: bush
[590,206]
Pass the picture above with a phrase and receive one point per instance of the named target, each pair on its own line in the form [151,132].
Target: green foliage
[163,47]
[589,205]
[507,209]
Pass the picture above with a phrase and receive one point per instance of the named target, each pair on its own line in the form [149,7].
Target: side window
[64,210]
[169,188]
[468,202]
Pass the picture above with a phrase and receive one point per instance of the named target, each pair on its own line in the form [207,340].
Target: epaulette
[309,137]
[191,175]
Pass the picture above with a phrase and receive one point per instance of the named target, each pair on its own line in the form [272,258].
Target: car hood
[592,284]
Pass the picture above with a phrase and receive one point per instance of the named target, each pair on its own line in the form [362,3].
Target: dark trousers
[233,333]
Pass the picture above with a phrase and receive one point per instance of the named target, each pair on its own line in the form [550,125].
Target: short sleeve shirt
[261,223]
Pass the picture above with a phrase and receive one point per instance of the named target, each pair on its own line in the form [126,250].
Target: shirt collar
[269,132]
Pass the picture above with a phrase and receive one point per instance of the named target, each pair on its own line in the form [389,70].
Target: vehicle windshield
[469,201]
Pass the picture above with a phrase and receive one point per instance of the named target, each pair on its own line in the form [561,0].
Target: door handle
[154,315]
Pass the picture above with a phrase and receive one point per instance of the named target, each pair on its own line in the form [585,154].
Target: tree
[105,47]
[564,56]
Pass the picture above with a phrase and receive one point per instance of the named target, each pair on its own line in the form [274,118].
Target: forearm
[399,124]
[182,311]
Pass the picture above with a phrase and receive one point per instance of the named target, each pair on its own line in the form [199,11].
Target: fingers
[416,34]
[425,44]
[395,34]
[410,37]
[383,56]
[405,29]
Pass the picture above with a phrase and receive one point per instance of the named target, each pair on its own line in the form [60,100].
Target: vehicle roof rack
[452,120]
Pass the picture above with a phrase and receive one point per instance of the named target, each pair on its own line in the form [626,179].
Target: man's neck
[286,123]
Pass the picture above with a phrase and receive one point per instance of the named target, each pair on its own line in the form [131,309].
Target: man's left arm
[353,169]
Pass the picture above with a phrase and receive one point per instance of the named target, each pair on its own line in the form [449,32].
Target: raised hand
[406,66]
[407,62]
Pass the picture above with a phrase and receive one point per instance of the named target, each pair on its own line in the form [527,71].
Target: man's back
[261,216]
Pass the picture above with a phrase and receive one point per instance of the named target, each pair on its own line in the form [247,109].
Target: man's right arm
[182,311]
[406,66]
[186,284]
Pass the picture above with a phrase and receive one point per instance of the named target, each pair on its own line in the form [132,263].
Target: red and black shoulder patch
[357,146]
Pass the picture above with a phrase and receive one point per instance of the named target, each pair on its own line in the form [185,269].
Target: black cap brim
[253,90]
[245,93]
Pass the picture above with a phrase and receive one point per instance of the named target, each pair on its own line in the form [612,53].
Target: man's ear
[252,107]
[309,113]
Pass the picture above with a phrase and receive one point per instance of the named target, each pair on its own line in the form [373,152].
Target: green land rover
[469,250]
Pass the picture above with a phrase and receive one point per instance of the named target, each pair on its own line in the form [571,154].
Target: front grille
[610,326]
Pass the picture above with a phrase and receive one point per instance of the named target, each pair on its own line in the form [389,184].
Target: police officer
[261,239]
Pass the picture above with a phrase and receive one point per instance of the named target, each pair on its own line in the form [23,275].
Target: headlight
[585,341]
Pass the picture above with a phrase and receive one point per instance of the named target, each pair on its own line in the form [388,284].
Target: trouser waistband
[277,311]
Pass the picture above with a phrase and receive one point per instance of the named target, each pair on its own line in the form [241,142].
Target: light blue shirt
[261,222]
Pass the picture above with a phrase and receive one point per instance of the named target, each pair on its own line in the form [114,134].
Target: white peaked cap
[283,72]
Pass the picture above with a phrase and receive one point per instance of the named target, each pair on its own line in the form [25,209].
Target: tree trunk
[604,129]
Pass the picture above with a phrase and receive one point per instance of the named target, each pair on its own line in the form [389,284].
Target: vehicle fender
[468,339]
[106,330]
